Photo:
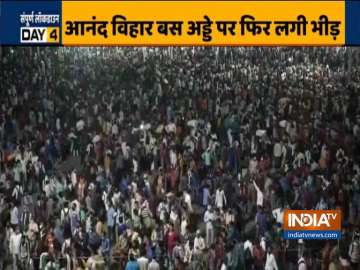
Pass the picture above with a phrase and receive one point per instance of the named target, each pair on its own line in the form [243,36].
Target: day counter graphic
[32,33]
[30,22]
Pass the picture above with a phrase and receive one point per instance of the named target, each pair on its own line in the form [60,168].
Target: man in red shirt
[171,238]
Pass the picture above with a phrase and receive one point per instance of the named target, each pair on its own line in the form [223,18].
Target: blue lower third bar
[315,235]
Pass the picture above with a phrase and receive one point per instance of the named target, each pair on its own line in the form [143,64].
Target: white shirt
[17,191]
[253,165]
[58,126]
[183,227]
[220,199]
[154,265]
[277,150]
[248,245]
[135,165]
[124,150]
[278,214]
[143,263]
[173,216]
[14,216]
[73,178]
[356,130]
[162,209]
[208,216]
[16,171]
[263,243]
[284,151]
[302,264]
[230,137]
[14,243]
[199,244]
[308,157]
[187,200]
[259,195]
[173,158]
[270,262]
[115,130]
[298,160]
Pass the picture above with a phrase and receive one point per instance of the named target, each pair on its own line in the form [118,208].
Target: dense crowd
[176,158]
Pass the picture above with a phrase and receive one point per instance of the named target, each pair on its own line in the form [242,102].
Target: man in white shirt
[33,229]
[14,246]
[208,220]
[253,164]
[73,177]
[14,216]
[270,263]
[199,243]
[302,263]
[184,226]
[143,262]
[173,158]
[17,192]
[154,265]
[162,210]
[248,245]
[299,160]
[277,154]
[278,214]
[259,195]
[187,200]
[206,156]
[135,165]
[220,199]
[230,137]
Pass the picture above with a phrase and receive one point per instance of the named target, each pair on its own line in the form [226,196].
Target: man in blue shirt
[132,264]
[206,196]
[105,246]
[110,219]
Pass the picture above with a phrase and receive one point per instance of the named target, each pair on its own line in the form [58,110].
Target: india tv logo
[312,224]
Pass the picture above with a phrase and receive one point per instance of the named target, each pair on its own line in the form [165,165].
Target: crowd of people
[176,158]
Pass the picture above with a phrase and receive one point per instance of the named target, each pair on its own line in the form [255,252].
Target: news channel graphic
[30,22]
[44,22]
[312,224]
